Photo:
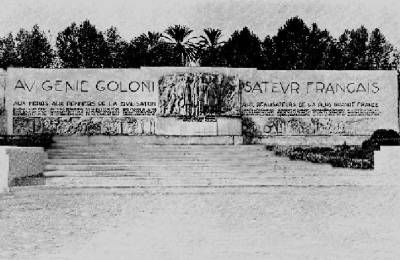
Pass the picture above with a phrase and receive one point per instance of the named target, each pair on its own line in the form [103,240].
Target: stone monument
[288,107]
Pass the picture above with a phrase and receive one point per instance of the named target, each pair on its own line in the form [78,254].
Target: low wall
[387,160]
[17,162]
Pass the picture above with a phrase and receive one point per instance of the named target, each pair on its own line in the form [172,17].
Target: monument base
[205,126]
[149,139]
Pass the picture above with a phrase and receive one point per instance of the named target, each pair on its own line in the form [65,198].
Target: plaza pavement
[276,222]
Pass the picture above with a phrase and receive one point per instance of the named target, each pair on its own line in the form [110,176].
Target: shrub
[340,156]
[344,155]
[40,140]
[249,129]
[381,137]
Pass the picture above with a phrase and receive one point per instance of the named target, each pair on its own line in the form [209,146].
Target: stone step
[182,161]
[157,156]
[165,161]
[144,151]
[183,168]
[158,148]
[127,151]
[161,146]
[138,182]
[149,150]
[283,173]
[119,162]
[212,157]
[168,147]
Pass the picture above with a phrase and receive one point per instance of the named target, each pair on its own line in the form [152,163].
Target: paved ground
[337,222]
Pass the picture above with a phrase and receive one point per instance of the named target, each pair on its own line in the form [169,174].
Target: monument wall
[201,101]
[184,101]
[81,101]
[320,103]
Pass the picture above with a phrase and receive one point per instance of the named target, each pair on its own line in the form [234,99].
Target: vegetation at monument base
[295,46]
[343,155]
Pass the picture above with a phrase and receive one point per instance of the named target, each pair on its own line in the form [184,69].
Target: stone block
[229,126]
[18,162]
[4,169]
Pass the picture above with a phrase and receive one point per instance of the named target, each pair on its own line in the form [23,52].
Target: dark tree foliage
[318,55]
[92,46]
[243,49]
[68,47]
[150,40]
[164,55]
[33,49]
[150,49]
[82,47]
[137,54]
[117,49]
[354,47]
[178,36]
[268,54]
[295,46]
[8,52]
[333,54]
[291,44]
[210,48]
[298,47]
[379,51]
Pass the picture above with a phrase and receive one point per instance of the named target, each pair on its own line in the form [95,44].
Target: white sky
[133,17]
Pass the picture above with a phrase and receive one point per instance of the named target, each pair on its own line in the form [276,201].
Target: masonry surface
[194,100]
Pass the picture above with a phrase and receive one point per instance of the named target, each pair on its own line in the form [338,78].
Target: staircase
[114,162]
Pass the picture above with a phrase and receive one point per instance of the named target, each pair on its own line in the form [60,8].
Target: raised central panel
[199,94]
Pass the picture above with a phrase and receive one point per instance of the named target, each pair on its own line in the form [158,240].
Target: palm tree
[210,39]
[209,47]
[178,36]
[150,39]
[144,46]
